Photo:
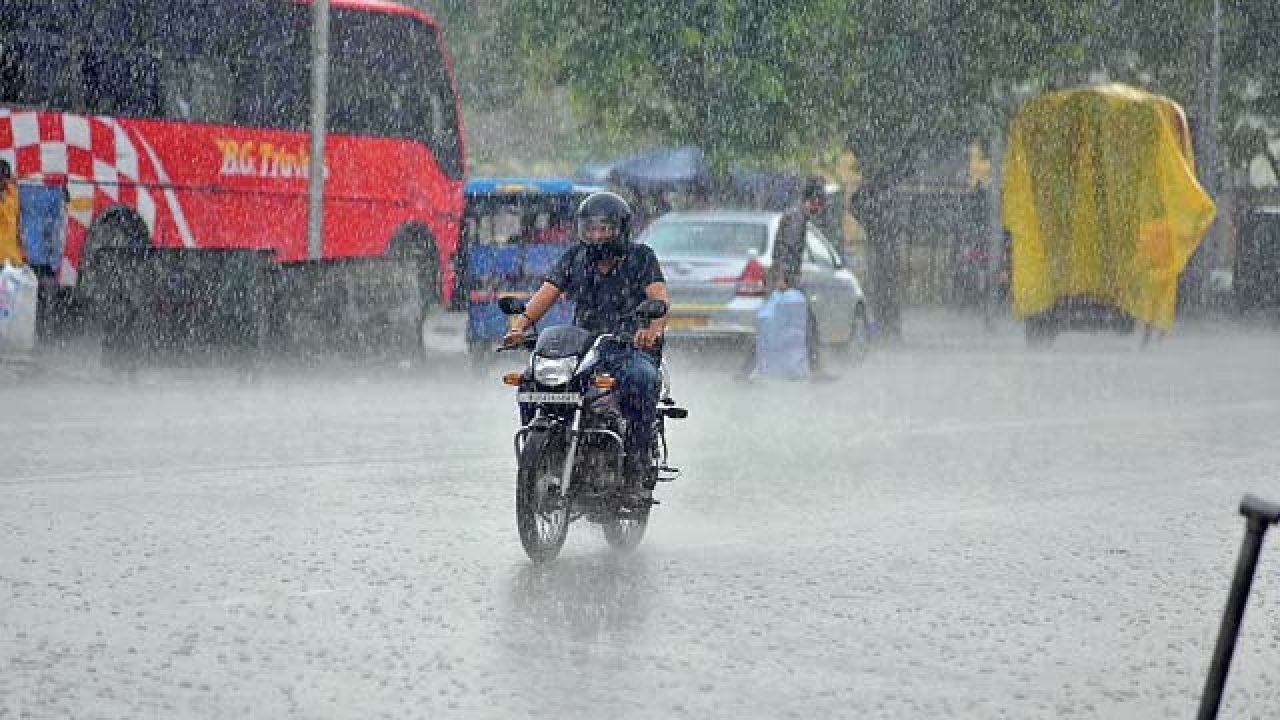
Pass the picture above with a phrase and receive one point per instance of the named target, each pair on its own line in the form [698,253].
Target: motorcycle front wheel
[542,511]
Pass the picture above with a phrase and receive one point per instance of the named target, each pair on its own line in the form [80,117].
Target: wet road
[956,529]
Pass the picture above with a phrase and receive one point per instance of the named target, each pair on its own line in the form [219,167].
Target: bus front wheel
[100,274]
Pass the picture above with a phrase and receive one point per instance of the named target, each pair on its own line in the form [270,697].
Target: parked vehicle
[178,133]
[716,264]
[973,275]
[1256,278]
[1101,199]
[570,448]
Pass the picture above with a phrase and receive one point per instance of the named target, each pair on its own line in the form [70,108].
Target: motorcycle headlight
[557,371]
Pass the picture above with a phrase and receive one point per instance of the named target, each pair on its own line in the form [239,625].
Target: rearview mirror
[511,305]
[651,309]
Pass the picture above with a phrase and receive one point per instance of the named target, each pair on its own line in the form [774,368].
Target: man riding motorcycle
[607,276]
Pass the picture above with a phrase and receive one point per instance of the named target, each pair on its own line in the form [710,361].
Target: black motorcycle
[570,448]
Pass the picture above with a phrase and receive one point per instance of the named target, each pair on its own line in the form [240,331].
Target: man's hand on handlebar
[647,337]
[514,337]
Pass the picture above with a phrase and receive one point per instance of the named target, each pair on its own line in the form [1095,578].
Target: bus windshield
[229,62]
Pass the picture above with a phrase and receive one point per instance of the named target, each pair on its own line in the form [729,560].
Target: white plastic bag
[19,290]
[782,336]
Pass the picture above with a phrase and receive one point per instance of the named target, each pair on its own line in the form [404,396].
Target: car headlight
[554,371]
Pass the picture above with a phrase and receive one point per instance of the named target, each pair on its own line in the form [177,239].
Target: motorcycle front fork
[576,433]
[571,455]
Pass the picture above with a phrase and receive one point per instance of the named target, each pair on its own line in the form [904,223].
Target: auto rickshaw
[1102,203]
[513,231]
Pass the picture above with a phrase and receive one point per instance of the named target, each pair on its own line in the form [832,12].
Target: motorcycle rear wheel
[542,512]
[624,529]
[624,532]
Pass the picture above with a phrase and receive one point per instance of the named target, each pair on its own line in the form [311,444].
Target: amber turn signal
[512,378]
[604,382]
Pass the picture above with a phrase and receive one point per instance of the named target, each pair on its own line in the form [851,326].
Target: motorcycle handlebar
[527,342]
[529,339]
[627,337]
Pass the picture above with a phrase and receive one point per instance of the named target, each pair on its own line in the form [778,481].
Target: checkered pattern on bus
[94,157]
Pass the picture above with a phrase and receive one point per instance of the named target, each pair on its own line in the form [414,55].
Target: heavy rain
[972,310]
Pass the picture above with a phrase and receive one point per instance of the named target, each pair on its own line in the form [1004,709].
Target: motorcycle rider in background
[607,276]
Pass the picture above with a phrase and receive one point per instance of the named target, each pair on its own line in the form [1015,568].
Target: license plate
[685,323]
[550,398]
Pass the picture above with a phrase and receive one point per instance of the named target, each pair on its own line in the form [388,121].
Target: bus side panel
[395,181]
[212,186]
[236,187]
[248,188]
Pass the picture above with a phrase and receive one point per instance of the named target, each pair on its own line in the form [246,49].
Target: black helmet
[603,223]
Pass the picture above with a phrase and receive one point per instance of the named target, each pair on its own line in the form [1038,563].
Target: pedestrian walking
[785,273]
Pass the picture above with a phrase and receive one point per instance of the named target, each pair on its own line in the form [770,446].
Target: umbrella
[663,169]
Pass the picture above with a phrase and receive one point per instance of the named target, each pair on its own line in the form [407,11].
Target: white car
[716,264]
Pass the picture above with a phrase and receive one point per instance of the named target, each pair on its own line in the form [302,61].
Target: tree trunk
[872,205]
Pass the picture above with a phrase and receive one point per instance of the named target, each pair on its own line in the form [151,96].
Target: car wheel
[1041,330]
[858,346]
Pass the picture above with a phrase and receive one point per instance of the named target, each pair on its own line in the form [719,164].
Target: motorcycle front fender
[539,430]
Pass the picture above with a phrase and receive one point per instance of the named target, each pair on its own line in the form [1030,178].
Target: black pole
[1261,514]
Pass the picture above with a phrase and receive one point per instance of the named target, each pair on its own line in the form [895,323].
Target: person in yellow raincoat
[1102,203]
[10,240]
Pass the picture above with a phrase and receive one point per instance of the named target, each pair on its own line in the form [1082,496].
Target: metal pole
[1260,514]
[1214,245]
[1231,618]
[1215,82]
[319,105]
[995,229]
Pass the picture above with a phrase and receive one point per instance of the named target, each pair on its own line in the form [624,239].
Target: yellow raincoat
[1101,199]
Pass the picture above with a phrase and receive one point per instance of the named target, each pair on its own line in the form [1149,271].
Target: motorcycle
[570,451]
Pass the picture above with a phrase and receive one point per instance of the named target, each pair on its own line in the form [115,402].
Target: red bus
[183,124]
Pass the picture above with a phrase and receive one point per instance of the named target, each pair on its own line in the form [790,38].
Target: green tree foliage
[513,125]
[897,81]
[485,79]
[739,79]
[1251,79]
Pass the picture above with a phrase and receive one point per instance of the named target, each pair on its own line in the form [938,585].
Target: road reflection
[598,597]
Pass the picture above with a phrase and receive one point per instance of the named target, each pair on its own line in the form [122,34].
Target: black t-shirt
[788,252]
[604,302]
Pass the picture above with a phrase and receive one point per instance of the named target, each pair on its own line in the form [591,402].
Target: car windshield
[706,239]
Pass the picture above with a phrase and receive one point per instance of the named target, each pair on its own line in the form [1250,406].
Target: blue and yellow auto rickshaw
[513,231]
